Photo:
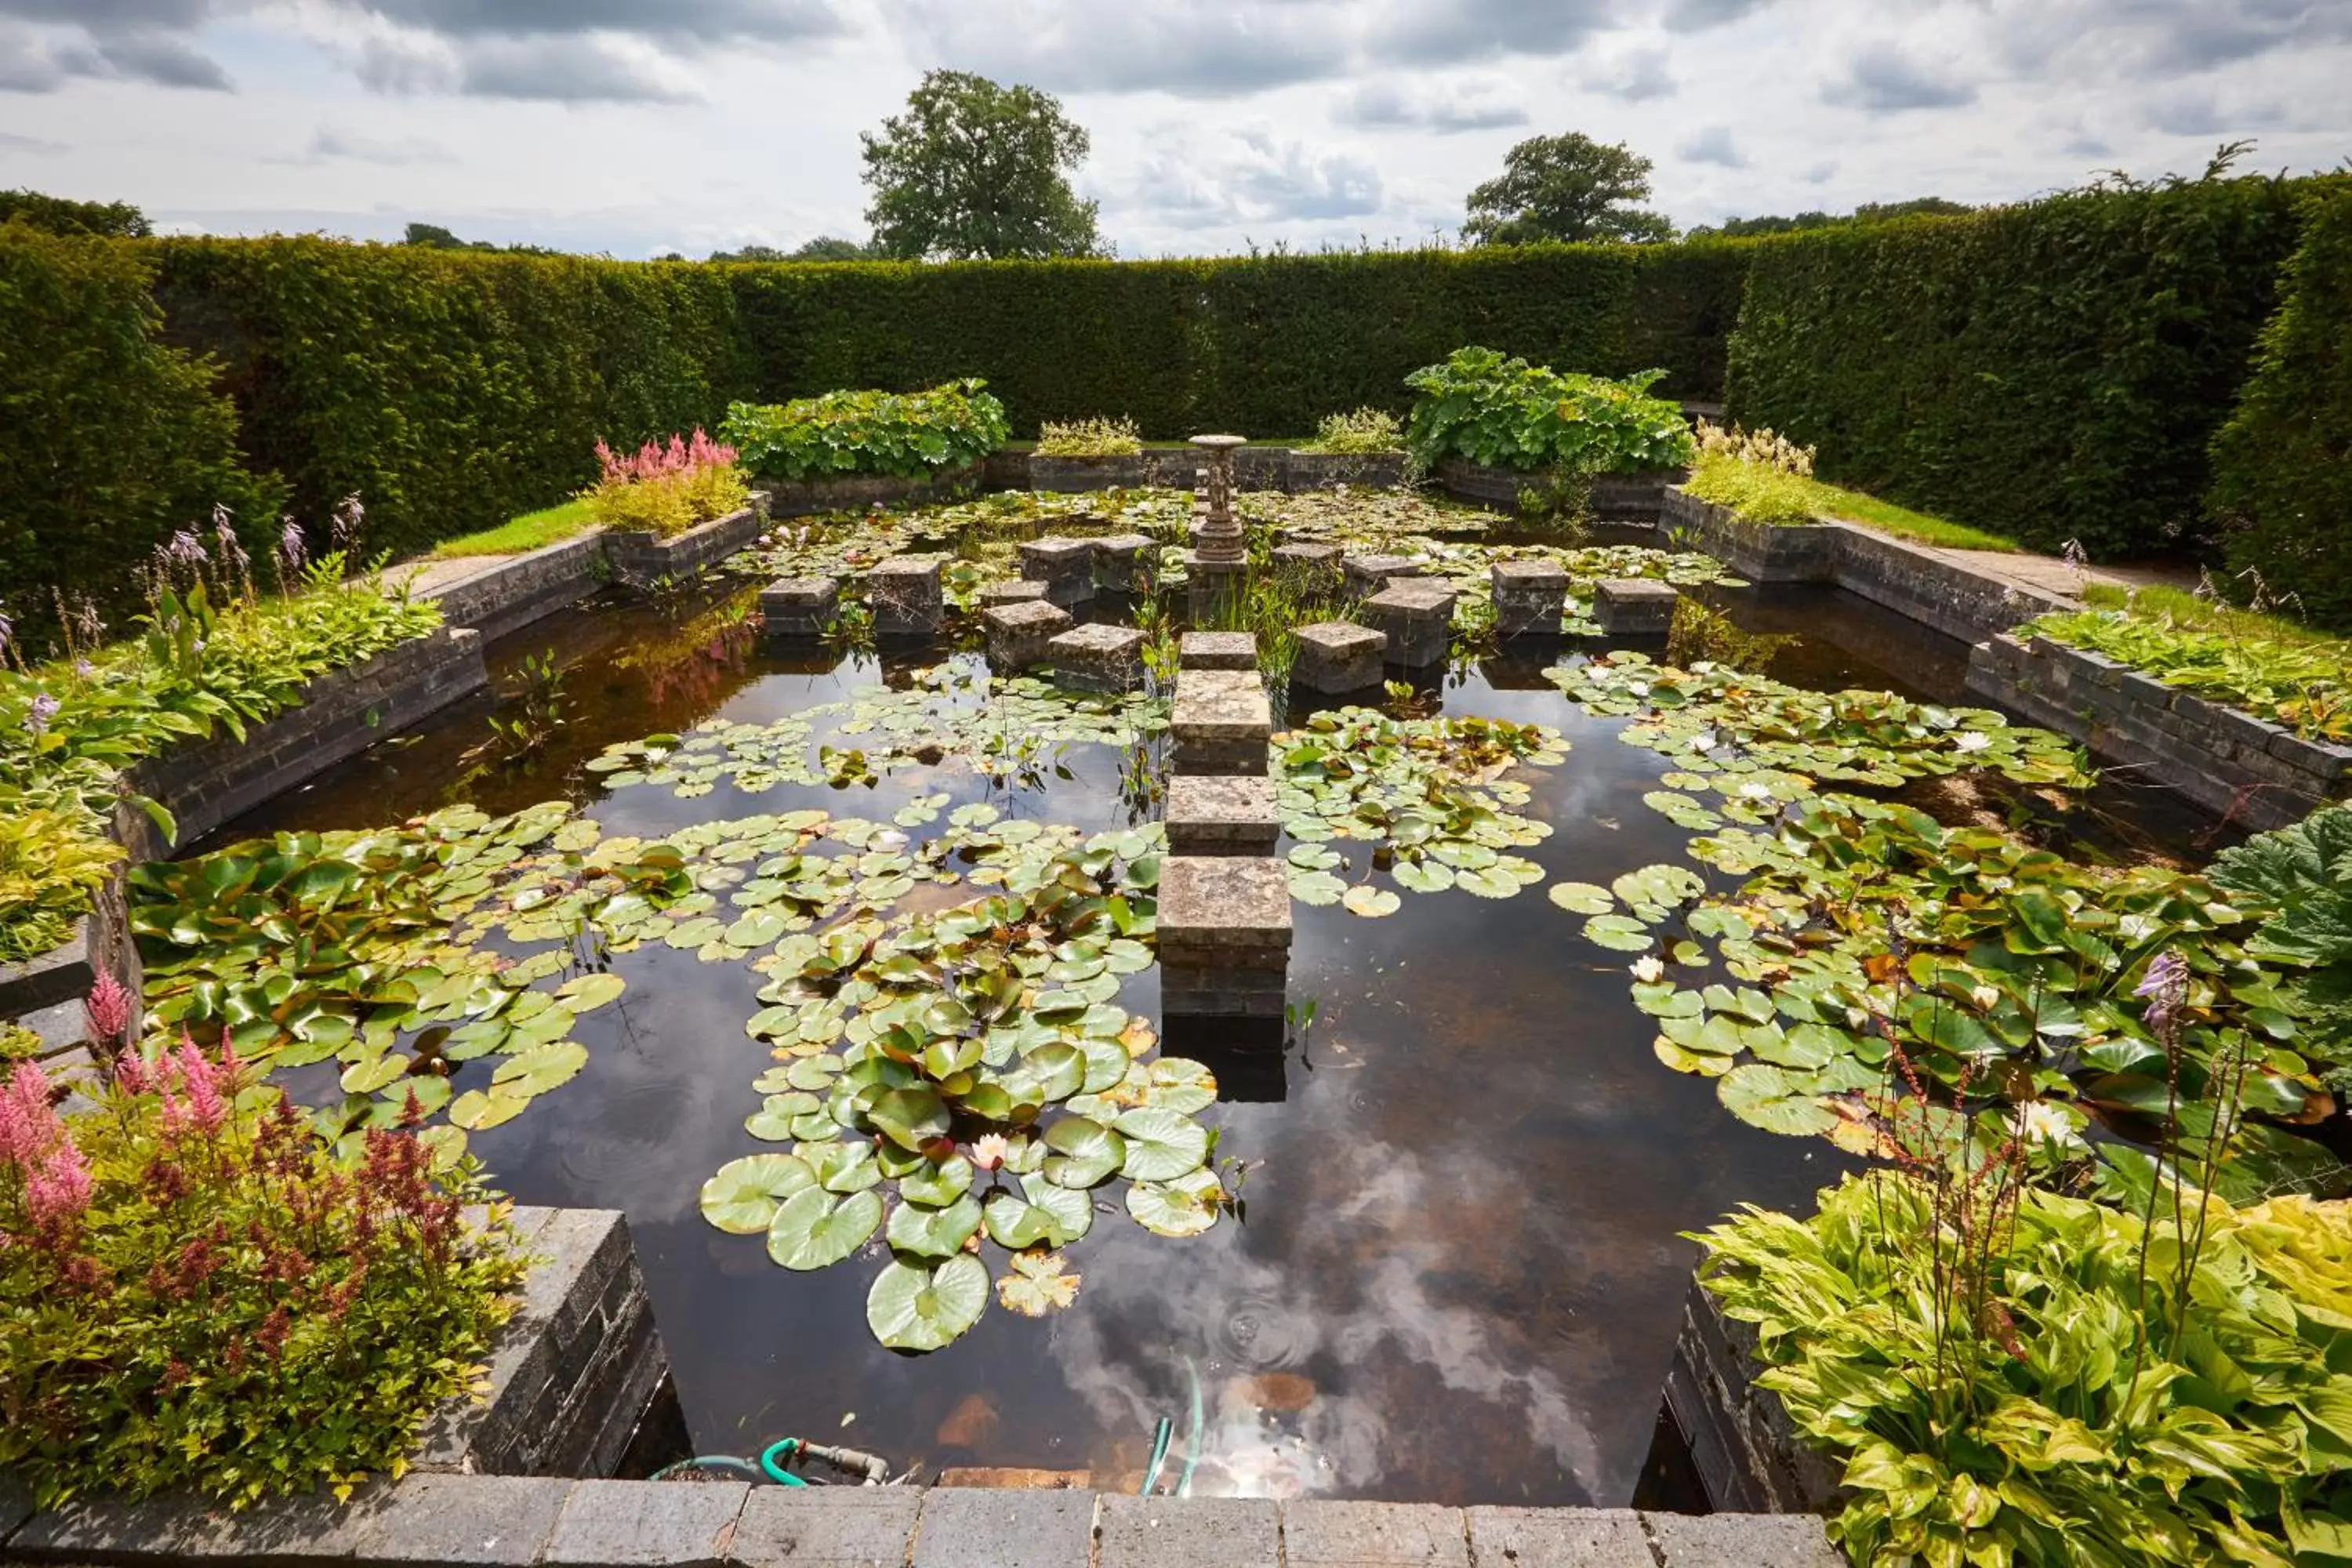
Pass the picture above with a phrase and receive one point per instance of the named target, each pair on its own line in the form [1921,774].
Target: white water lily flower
[2042,1122]
[1649,971]
[889,838]
[1971,740]
[989,1149]
[1985,997]
[1703,742]
[1756,791]
[1638,687]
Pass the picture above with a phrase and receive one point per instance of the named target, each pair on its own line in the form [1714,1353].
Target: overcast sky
[640,126]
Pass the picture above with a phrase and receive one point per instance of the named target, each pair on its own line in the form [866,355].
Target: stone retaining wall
[2252,771]
[862,492]
[1614,498]
[1749,1457]
[642,559]
[511,595]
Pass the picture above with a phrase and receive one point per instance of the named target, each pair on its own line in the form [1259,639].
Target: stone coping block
[1315,563]
[1186,1533]
[1020,635]
[505,596]
[640,557]
[1020,591]
[799,606]
[1368,574]
[1361,1534]
[1098,657]
[968,1528]
[827,1527]
[1126,563]
[1740,1539]
[1222,816]
[1634,605]
[1217,650]
[1418,618]
[1339,657]
[905,595]
[1222,705]
[1528,577]
[1562,1537]
[1412,601]
[631,1524]
[1223,901]
[51,979]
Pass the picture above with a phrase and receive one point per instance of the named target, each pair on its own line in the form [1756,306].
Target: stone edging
[429,1520]
[511,595]
[640,559]
[1628,498]
[2252,771]
[1740,1440]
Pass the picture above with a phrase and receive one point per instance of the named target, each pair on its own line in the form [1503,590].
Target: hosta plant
[911,435]
[2303,874]
[50,864]
[1508,414]
[1090,439]
[2305,686]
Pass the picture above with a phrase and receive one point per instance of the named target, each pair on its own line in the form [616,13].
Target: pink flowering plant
[667,486]
[196,1291]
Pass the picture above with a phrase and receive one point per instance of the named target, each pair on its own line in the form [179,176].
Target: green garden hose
[774,1467]
[1167,1429]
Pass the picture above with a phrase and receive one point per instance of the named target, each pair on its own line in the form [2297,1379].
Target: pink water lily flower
[988,1152]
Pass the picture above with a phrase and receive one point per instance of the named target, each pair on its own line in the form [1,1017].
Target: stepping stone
[1223,724]
[1099,657]
[1635,606]
[1418,618]
[1338,656]
[1318,565]
[1216,651]
[1067,567]
[1224,935]
[1127,563]
[1021,635]
[1020,591]
[1222,816]
[799,606]
[904,592]
[1529,596]
[1368,574]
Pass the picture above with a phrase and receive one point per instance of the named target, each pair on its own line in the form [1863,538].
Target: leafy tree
[1868,212]
[433,236]
[58,215]
[975,170]
[1565,188]
[829,248]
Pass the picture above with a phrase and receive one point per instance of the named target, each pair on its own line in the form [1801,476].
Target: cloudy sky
[639,126]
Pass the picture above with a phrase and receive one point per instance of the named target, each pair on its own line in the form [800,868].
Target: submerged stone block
[1368,574]
[1222,816]
[1019,634]
[1222,721]
[1418,618]
[1311,565]
[1638,607]
[1337,657]
[1127,563]
[1217,650]
[1067,567]
[1020,591]
[799,606]
[1529,596]
[904,593]
[1213,586]
[1099,657]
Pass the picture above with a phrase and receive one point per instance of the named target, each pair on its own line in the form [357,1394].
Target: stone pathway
[2052,575]
[429,575]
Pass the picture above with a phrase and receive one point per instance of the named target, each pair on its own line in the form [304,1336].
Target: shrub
[18,1043]
[1758,493]
[1508,414]
[1090,439]
[2305,873]
[1365,430]
[904,435]
[2110,1401]
[2047,371]
[2282,464]
[666,490]
[199,1294]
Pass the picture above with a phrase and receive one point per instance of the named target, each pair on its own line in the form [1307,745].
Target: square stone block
[1222,989]
[1640,606]
[1019,634]
[1222,721]
[1222,816]
[799,606]
[1418,618]
[1127,563]
[1186,1533]
[1067,567]
[1338,656]
[827,1527]
[635,1524]
[904,593]
[1217,650]
[1020,591]
[1361,1534]
[1099,657]
[1216,907]
[1737,1540]
[968,1528]
[1560,1538]
[1529,596]
[1318,565]
[1368,574]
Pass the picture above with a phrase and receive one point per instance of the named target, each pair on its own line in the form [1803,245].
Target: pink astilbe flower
[656,460]
[29,1129]
[60,1189]
[131,1074]
[106,1010]
[205,1107]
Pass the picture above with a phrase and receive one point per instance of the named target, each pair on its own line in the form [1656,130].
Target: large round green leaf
[937,1185]
[1043,1212]
[912,1117]
[1086,1153]
[1162,1145]
[1185,1206]
[744,1197]
[586,993]
[934,1232]
[540,1069]
[842,1167]
[814,1229]
[1771,1098]
[915,1308]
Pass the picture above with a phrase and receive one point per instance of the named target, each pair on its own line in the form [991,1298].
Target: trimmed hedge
[2282,464]
[2049,371]
[109,440]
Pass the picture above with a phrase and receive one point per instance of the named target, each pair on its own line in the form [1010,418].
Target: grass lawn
[532,531]
[2186,610]
[1904,524]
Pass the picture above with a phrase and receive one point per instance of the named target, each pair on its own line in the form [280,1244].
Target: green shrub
[1760,494]
[2305,873]
[1089,439]
[198,1294]
[2282,464]
[2305,686]
[2048,371]
[50,867]
[2058,1410]
[1508,414]
[665,489]
[909,435]
[1365,430]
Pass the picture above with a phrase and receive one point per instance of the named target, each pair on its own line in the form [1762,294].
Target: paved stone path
[2052,575]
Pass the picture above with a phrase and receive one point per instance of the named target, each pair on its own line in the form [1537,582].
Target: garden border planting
[2249,769]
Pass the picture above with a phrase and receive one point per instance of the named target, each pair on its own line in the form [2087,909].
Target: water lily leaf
[477,1112]
[744,1197]
[1317,889]
[916,1307]
[934,1232]
[1175,1083]
[774,1121]
[1043,1212]
[760,928]
[1370,901]
[911,1117]
[842,1167]
[1185,1206]
[586,993]
[1038,1283]
[1053,1072]
[814,1229]
[1583,898]
[1770,1097]
[938,1184]
[1619,933]
[1162,1145]
[1659,885]
[541,1069]
[1086,1153]
[375,1073]
[1494,882]
[1423,876]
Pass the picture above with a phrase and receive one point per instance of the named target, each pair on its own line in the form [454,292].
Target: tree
[59,215]
[1565,188]
[433,236]
[1868,212]
[828,248]
[974,170]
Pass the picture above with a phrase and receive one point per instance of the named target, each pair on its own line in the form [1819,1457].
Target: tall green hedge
[2051,371]
[109,440]
[2282,464]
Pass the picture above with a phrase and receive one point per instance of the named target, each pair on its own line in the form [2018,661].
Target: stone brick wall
[1757,551]
[1632,498]
[1749,1457]
[2249,769]
[513,594]
[641,559]
[859,492]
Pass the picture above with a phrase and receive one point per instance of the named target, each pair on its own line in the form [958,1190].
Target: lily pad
[1185,1206]
[814,1229]
[914,1307]
[1038,1282]
[934,1232]
[1086,1153]
[1042,1211]
[1162,1145]
[744,1197]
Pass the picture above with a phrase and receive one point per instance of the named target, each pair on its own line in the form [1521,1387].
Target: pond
[1456,1271]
